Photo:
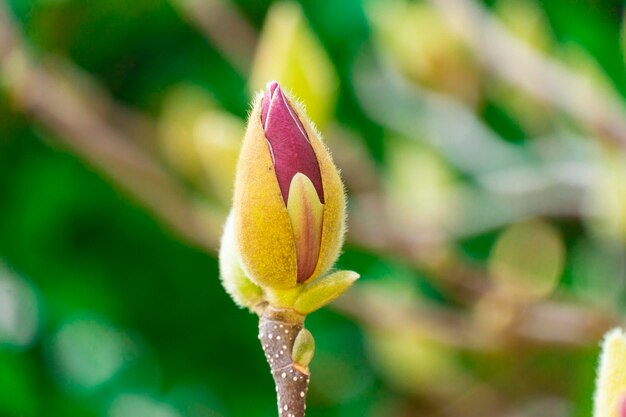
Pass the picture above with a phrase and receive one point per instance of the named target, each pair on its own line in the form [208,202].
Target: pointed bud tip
[272,85]
[288,141]
[270,88]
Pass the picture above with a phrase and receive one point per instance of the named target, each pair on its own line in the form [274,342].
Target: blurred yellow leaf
[218,136]
[607,201]
[200,140]
[181,108]
[526,20]
[582,62]
[419,187]
[422,45]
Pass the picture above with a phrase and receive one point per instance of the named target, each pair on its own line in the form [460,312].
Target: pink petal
[288,142]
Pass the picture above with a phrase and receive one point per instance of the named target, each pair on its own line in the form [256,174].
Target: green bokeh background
[93,254]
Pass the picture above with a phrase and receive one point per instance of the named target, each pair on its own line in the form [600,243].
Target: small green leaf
[303,348]
[324,290]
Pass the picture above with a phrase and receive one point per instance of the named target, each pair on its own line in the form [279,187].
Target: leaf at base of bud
[324,290]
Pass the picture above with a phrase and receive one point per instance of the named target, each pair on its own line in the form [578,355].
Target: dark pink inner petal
[288,142]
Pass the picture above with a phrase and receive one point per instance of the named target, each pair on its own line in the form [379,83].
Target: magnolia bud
[285,230]
[611,382]
[289,200]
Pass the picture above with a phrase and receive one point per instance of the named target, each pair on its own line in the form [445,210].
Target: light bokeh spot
[135,405]
[19,312]
[88,352]
[527,260]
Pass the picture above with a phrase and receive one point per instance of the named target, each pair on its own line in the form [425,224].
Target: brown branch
[277,332]
[545,323]
[224,25]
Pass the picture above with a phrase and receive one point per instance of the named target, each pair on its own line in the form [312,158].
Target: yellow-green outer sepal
[324,290]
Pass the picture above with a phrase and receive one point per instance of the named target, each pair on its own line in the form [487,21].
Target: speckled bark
[277,331]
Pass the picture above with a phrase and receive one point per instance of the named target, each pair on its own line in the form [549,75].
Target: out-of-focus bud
[218,140]
[611,382]
[606,206]
[527,261]
[181,108]
[581,62]
[420,190]
[289,52]
[527,21]
[525,265]
[289,202]
[201,141]
[424,48]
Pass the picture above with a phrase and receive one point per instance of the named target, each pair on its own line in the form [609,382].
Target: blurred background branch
[89,123]
[601,111]
[82,120]
[218,20]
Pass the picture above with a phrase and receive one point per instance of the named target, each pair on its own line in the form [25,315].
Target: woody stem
[278,329]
